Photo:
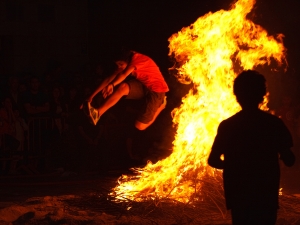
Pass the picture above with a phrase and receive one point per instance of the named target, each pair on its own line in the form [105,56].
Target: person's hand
[108,90]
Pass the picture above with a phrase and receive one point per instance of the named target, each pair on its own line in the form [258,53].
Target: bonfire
[209,54]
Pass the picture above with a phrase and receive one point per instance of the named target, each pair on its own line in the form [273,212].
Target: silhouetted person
[36,102]
[58,110]
[252,142]
[13,92]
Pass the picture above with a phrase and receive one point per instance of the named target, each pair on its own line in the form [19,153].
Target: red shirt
[148,73]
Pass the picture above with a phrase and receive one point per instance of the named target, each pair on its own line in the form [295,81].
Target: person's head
[6,102]
[34,83]
[122,57]
[22,87]
[14,83]
[249,88]
[121,64]
[87,91]
[73,92]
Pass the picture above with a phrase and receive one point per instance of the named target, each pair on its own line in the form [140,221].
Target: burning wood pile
[208,210]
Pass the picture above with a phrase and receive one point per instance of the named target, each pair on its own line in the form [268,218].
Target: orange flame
[206,52]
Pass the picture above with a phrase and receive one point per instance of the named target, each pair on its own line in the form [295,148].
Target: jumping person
[251,142]
[148,84]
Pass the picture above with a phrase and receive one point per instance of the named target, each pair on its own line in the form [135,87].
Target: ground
[68,198]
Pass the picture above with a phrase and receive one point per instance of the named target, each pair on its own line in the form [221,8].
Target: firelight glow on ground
[209,53]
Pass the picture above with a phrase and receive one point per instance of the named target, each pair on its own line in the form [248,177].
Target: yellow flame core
[205,52]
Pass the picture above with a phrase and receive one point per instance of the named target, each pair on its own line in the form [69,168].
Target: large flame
[208,53]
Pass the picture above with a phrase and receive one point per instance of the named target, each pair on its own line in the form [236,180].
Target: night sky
[145,26]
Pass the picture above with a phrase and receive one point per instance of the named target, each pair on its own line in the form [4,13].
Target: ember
[206,53]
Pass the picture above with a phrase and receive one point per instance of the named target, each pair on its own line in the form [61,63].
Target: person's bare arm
[102,85]
[120,77]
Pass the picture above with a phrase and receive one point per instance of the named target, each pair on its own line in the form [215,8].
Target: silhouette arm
[214,159]
[116,78]
[120,77]
[288,157]
[285,153]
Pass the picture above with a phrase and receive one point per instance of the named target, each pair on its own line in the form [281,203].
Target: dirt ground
[67,198]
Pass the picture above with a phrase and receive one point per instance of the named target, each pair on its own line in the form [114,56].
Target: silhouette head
[249,88]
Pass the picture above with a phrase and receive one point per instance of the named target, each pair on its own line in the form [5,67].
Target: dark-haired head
[122,57]
[122,54]
[249,88]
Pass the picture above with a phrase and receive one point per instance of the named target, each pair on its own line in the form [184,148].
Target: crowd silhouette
[42,127]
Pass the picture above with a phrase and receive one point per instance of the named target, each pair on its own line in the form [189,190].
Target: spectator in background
[13,92]
[73,102]
[22,89]
[58,109]
[8,142]
[52,77]
[21,128]
[7,117]
[36,102]
[77,81]
[37,107]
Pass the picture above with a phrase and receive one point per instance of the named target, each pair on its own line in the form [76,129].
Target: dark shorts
[153,100]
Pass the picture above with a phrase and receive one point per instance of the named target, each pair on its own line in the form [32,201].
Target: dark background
[146,26]
[79,34]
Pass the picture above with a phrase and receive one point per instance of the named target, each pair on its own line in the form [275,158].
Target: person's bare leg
[142,126]
[123,89]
